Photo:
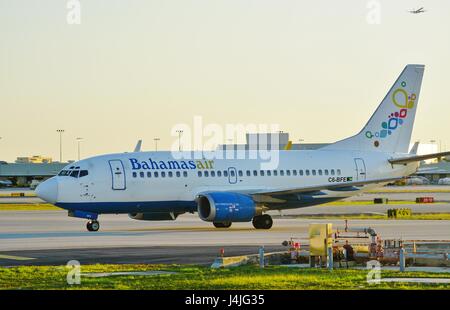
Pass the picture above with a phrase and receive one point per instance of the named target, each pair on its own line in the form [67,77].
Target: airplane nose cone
[48,190]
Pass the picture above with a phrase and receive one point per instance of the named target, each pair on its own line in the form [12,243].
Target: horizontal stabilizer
[411,159]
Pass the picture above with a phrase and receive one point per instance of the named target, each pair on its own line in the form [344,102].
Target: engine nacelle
[226,207]
[154,216]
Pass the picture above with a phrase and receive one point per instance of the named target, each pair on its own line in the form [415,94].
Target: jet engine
[226,207]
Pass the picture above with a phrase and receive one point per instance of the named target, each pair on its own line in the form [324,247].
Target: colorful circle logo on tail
[394,120]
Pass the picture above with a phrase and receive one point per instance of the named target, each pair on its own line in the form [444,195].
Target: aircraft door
[232,175]
[360,168]
[117,174]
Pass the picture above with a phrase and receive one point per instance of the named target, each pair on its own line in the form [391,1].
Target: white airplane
[156,186]
[418,11]
[6,183]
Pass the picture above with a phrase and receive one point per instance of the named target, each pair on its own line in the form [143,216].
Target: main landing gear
[93,225]
[262,221]
[222,224]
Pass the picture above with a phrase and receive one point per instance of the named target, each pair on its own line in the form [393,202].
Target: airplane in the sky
[418,11]
[159,186]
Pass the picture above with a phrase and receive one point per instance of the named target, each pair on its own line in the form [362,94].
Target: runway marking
[12,257]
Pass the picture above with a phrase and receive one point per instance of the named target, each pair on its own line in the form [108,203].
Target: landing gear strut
[262,221]
[93,225]
[222,224]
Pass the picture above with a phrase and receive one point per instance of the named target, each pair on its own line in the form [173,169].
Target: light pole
[60,131]
[179,139]
[156,143]
[79,142]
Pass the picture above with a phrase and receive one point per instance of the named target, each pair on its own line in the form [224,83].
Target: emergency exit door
[360,168]
[117,174]
[232,175]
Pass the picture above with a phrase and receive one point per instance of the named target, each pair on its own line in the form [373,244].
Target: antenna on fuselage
[138,146]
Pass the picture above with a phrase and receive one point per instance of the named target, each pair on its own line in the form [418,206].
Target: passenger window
[275,173]
[307,172]
[338,172]
[83,173]
[332,171]
[326,171]
[314,172]
[213,173]
[141,174]
[206,174]
[149,174]
[261,173]
[232,173]
[155,174]
[178,174]
[248,173]
[294,172]
[185,174]
[225,173]
[199,173]
[170,174]
[269,173]
[219,173]
[240,173]
[281,172]
[288,172]
[300,172]
[163,174]
[134,174]
[255,173]
[320,171]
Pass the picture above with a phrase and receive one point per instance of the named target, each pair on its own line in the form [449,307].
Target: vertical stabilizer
[390,127]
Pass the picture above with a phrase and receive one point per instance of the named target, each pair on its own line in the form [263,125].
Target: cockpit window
[74,173]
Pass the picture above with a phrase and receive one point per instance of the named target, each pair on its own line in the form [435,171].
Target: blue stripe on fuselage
[130,206]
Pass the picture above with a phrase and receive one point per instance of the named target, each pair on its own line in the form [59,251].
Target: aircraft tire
[262,222]
[93,226]
[222,224]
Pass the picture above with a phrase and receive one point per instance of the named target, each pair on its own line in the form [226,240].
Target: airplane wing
[410,159]
[336,186]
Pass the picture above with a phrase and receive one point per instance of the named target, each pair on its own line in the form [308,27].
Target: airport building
[435,171]
[36,159]
[27,169]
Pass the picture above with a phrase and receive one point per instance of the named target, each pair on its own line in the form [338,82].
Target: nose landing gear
[93,225]
[262,221]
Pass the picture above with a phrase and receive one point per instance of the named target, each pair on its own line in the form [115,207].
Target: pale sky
[135,68]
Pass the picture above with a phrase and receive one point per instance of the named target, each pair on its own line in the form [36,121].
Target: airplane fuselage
[156,182]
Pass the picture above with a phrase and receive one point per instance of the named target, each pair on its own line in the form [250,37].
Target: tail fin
[390,127]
